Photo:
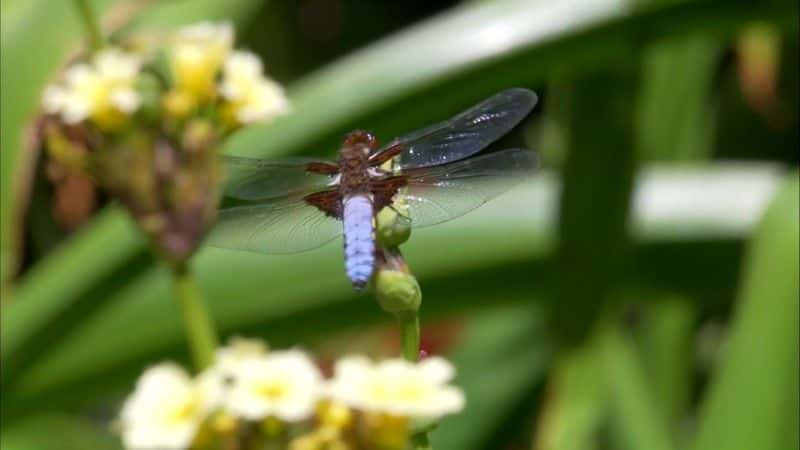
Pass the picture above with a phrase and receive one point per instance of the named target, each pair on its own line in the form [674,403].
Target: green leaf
[598,181]
[499,362]
[747,406]
[30,57]
[53,431]
[636,420]
[576,401]
[666,333]
[676,114]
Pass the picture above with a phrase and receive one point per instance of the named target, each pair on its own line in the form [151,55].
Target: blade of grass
[598,184]
[62,433]
[747,404]
[30,57]
[676,117]
[500,360]
[666,333]
[635,417]
[575,404]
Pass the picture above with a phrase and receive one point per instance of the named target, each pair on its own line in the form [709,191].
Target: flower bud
[393,228]
[397,292]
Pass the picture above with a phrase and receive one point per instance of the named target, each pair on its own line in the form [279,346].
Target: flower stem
[409,335]
[91,24]
[200,332]
[409,341]
[420,442]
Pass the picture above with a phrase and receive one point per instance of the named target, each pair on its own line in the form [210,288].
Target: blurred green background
[641,293]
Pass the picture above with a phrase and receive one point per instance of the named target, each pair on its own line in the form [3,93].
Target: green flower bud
[393,228]
[397,292]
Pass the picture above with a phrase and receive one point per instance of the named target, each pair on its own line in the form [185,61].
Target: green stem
[409,336]
[200,332]
[91,23]
[420,442]
[409,341]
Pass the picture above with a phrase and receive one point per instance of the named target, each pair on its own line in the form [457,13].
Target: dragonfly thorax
[354,164]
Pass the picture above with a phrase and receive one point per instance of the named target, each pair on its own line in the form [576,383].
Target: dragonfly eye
[361,137]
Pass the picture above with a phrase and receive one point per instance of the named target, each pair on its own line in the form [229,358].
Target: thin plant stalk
[92,25]
[409,341]
[200,332]
[420,442]
[409,336]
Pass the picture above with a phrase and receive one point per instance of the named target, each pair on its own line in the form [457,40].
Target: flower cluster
[145,122]
[252,395]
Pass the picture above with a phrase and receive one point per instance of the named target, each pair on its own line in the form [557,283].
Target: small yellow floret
[196,55]
[103,91]
[249,95]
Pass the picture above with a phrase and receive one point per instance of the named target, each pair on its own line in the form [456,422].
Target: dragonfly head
[361,138]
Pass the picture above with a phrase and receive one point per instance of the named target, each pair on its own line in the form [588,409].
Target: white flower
[166,409]
[103,90]
[227,359]
[397,387]
[196,55]
[285,385]
[251,96]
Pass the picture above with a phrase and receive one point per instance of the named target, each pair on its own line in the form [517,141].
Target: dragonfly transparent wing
[438,194]
[286,226]
[466,133]
[261,179]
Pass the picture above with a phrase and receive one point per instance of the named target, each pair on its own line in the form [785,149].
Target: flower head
[285,385]
[166,409]
[196,55]
[103,90]
[250,96]
[397,387]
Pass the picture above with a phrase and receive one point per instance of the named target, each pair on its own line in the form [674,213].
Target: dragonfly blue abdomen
[359,244]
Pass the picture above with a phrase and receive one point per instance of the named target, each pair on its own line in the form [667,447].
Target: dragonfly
[297,204]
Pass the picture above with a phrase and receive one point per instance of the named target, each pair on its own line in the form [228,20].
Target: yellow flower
[249,95]
[285,385]
[166,409]
[397,387]
[196,55]
[103,91]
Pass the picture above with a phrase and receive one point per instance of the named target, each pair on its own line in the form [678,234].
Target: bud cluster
[144,123]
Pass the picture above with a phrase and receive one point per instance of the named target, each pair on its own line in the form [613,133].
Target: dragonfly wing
[438,194]
[287,226]
[466,133]
[260,179]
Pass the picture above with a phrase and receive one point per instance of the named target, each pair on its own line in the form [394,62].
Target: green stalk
[420,442]
[409,335]
[92,25]
[200,332]
[409,342]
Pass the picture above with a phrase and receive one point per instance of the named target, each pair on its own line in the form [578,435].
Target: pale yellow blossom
[102,90]
[397,387]
[249,95]
[166,409]
[281,384]
[196,54]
